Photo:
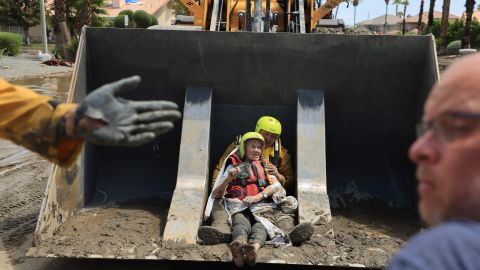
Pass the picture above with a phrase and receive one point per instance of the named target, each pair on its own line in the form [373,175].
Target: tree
[420,16]
[430,15]
[455,32]
[62,33]
[444,27]
[85,12]
[23,13]
[469,5]
[405,3]
[178,7]
[396,3]
[355,4]
[386,14]
[85,15]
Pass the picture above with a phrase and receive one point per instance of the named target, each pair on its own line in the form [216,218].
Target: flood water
[56,86]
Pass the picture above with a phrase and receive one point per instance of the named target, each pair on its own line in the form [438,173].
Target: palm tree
[396,3]
[444,26]
[386,13]
[469,6]
[420,16]
[430,16]
[85,16]
[405,3]
[355,4]
[62,33]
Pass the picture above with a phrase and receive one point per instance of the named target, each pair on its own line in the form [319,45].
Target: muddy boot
[219,231]
[251,251]
[236,247]
[301,233]
[210,235]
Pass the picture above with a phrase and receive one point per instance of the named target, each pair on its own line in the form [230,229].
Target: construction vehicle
[348,105]
[266,16]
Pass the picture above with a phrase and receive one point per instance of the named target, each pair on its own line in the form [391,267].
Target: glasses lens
[421,128]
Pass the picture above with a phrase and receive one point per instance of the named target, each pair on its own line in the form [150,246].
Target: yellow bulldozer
[348,105]
[295,16]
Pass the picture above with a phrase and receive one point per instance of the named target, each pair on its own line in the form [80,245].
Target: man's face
[270,138]
[448,154]
[253,149]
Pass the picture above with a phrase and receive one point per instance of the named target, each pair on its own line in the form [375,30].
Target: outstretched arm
[57,131]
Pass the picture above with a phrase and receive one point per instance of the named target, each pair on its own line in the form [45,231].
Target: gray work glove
[123,122]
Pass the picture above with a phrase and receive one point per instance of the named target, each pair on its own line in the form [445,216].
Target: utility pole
[43,24]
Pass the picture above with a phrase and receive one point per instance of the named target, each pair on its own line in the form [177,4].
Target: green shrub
[142,19]
[154,20]
[127,12]
[454,46]
[109,23]
[119,21]
[10,43]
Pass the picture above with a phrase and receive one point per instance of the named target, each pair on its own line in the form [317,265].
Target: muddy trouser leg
[219,216]
[240,227]
[284,222]
[258,233]
[219,231]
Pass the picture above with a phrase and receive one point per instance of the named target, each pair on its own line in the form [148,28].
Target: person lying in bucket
[278,163]
[253,199]
[57,130]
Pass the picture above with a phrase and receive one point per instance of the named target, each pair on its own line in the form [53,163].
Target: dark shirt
[452,245]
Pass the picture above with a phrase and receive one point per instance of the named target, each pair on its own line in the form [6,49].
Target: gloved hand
[104,118]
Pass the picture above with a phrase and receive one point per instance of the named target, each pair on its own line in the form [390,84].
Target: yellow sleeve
[217,169]
[286,168]
[28,119]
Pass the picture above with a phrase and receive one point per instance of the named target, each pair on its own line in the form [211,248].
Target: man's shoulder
[449,232]
[442,247]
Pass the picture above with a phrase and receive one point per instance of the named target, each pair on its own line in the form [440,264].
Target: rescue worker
[57,130]
[279,164]
[247,189]
[447,155]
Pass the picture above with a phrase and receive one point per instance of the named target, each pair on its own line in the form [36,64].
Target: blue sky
[374,8]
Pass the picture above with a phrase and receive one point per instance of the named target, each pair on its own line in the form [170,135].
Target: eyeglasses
[450,125]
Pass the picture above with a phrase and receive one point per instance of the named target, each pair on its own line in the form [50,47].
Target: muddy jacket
[32,121]
[285,166]
[254,183]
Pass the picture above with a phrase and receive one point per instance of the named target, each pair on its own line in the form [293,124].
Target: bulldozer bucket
[348,106]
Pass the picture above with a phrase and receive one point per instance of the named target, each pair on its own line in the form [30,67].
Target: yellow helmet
[248,136]
[269,124]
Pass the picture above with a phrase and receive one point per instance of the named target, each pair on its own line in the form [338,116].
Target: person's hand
[271,169]
[105,118]
[253,199]
[232,174]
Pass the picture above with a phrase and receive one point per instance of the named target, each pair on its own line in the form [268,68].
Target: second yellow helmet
[269,124]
